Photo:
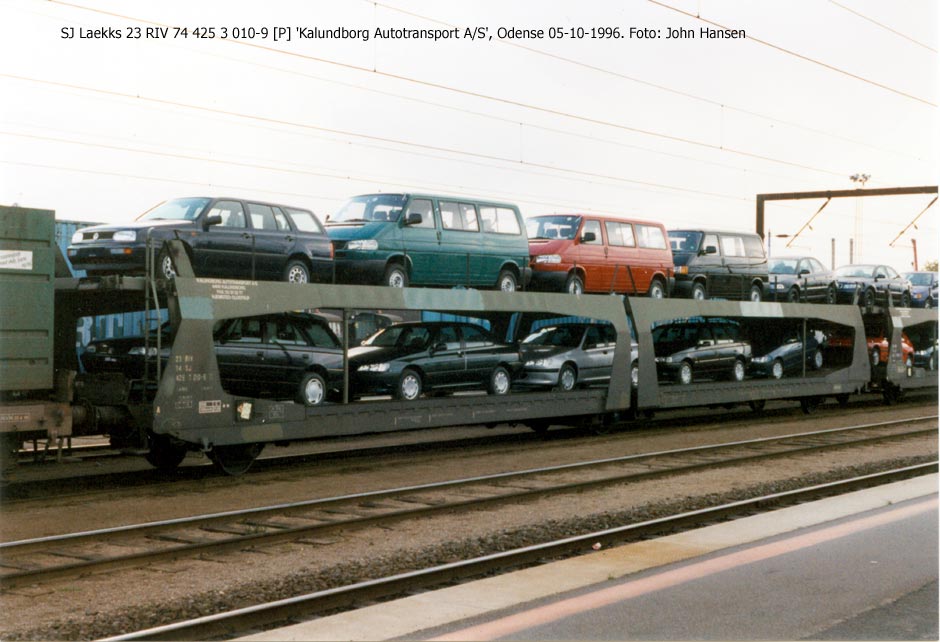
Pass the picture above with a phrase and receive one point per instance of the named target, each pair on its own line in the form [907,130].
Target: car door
[621,256]
[240,352]
[225,248]
[711,266]
[598,348]
[421,243]
[895,283]
[285,355]
[817,280]
[735,281]
[481,353]
[446,363]
[461,256]
[271,240]
[708,357]
[592,256]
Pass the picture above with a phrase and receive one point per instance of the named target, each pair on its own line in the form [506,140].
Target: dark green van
[417,239]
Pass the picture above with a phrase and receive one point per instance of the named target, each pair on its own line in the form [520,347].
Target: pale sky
[683,131]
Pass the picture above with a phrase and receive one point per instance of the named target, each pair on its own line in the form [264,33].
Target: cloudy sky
[686,131]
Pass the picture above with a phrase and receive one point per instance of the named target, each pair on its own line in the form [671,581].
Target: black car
[686,350]
[800,279]
[923,289]
[224,237]
[567,355]
[872,284]
[291,355]
[408,359]
[789,357]
[123,354]
[717,264]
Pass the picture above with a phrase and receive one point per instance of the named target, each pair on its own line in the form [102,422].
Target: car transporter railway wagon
[181,404]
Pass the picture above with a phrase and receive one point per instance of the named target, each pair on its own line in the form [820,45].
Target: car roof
[604,217]
[442,197]
[712,231]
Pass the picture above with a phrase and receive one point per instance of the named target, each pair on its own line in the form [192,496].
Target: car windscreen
[566,336]
[783,266]
[400,336]
[179,209]
[920,278]
[372,207]
[684,241]
[864,271]
[552,227]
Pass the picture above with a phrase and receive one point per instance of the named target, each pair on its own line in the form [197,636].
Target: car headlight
[374,367]
[537,363]
[763,359]
[91,348]
[125,236]
[548,258]
[366,244]
[682,269]
[780,286]
[150,352]
[77,237]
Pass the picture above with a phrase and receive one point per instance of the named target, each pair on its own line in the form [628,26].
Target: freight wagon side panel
[27,272]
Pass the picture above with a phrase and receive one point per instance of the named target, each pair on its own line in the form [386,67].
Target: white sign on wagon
[16,260]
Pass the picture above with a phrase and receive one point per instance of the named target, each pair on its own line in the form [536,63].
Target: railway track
[257,617]
[35,561]
[62,483]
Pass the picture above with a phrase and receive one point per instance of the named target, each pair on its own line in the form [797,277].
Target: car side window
[609,335]
[651,236]
[423,207]
[244,331]
[890,272]
[304,220]
[595,227]
[262,217]
[881,273]
[321,337]
[448,336]
[711,240]
[619,234]
[753,247]
[499,220]
[281,219]
[474,336]
[231,213]
[593,338]
[283,332]
[461,217]
[732,246]
[468,212]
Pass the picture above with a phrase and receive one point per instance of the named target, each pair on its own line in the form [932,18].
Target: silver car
[569,355]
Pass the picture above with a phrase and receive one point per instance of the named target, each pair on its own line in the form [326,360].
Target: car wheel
[396,276]
[635,374]
[296,271]
[756,294]
[500,381]
[574,285]
[818,359]
[409,385]
[831,295]
[875,357]
[506,281]
[793,296]
[869,298]
[776,369]
[928,303]
[737,370]
[657,290]
[905,299]
[684,375]
[567,378]
[698,291]
[312,390]
[165,268]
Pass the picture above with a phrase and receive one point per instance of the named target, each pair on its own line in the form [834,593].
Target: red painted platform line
[558,610]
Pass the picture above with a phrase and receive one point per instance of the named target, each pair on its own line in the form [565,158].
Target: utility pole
[860,179]
[914,244]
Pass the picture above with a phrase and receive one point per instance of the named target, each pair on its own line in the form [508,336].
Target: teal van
[416,239]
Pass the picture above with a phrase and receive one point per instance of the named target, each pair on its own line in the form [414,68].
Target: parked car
[417,239]
[578,253]
[923,289]
[788,357]
[878,348]
[569,355]
[687,350]
[123,354]
[224,237]
[291,356]
[717,264]
[409,359]
[872,284]
[800,279]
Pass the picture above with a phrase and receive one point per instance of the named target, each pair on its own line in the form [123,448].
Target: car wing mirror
[438,347]
[414,218]
[710,249]
[704,343]
[588,237]
[803,272]
[212,219]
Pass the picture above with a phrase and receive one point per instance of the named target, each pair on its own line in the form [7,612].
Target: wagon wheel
[164,454]
[236,459]
[757,405]
[810,404]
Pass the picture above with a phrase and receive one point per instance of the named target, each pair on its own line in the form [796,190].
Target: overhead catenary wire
[883,26]
[913,222]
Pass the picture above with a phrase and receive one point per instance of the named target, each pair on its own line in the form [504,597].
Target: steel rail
[237,541]
[305,606]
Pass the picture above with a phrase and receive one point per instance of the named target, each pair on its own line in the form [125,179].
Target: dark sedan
[800,279]
[788,357]
[408,359]
[569,355]
[224,237]
[872,284]
[923,289]
[123,354]
[686,350]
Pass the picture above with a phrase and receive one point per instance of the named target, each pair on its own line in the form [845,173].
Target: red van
[584,253]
